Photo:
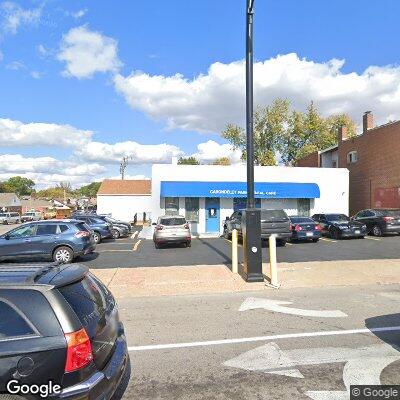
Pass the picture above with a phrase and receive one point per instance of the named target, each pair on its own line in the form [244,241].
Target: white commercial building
[207,194]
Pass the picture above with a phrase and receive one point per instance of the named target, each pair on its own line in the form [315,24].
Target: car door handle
[27,240]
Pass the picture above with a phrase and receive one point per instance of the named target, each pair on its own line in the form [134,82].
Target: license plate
[309,234]
[357,232]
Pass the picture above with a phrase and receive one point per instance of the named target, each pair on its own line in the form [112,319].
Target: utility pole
[123,166]
[252,265]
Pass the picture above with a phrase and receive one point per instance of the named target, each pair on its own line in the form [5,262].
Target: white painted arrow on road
[280,306]
[363,365]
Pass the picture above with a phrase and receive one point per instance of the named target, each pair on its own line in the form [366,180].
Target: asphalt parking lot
[133,252]
[142,253]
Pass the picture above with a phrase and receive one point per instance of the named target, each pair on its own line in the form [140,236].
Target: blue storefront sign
[263,190]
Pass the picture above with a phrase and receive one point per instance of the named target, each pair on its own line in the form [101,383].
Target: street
[259,354]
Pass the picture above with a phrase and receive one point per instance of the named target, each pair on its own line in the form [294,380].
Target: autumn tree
[222,161]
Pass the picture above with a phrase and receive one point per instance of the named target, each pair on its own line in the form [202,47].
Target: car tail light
[186,226]
[159,228]
[387,219]
[290,226]
[318,227]
[79,350]
[298,228]
[82,234]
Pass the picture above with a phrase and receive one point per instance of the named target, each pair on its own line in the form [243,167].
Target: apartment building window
[352,157]
[192,209]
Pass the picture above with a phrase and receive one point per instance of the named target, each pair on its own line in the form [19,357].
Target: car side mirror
[227,219]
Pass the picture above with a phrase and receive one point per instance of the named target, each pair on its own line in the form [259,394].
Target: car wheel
[188,244]
[315,240]
[96,237]
[115,234]
[281,242]
[334,234]
[156,245]
[63,255]
[377,231]
[226,234]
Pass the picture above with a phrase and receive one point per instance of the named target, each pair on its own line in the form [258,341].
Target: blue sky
[110,68]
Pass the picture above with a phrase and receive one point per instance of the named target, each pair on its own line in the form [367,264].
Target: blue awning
[263,190]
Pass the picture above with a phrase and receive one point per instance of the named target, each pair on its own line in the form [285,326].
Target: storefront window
[239,203]
[171,205]
[303,207]
[192,209]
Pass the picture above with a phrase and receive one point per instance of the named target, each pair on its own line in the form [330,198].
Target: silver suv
[171,229]
[31,216]
[10,218]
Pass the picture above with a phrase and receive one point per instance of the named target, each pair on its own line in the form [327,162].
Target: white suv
[10,218]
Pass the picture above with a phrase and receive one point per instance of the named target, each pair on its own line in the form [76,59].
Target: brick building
[371,158]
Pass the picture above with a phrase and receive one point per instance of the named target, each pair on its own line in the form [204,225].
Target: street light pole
[252,263]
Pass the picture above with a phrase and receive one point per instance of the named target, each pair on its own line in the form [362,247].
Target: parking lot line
[134,234]
[371,238]
[230,241]
[136,245]
[328,240]
[111,251]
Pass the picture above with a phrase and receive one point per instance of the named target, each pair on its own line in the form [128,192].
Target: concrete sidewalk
[166,281]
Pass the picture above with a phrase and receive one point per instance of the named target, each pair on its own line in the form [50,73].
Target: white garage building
[124,199]
[207,194]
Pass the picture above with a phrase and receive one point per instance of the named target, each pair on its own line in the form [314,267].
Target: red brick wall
[378,167]
[312,160]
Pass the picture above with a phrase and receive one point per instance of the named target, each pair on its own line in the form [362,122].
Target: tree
[188,161]
[222,161]
[289,134]
[19,185]
[89,190]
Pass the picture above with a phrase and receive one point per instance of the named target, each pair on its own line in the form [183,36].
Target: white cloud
[79,14]
[16,65]
[140,153]
[13,16]
[210,101]
[1,55]
[36,74]
[16,133]
[210,151]
[86,52]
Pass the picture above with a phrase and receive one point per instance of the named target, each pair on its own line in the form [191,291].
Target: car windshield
[299,220]
[172,221]
[337,217]
[109,219]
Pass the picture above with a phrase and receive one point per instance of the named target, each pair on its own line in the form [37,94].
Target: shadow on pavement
[386,321]
[227,261]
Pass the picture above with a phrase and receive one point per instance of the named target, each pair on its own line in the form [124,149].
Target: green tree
[19,185]
[89,190]
[222,161]
[289,134]
[188,161]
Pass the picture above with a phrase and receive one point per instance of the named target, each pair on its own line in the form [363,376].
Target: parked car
[31,216]
[119,228]
[60,328]
[101,229]
[10,218]
[305,228]
[379,222]
[339,226]
[272,222]
[61,240]
[171,229]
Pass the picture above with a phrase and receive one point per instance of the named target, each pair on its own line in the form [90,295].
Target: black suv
[59,328]
[339,226]
[379,222]
[272,221]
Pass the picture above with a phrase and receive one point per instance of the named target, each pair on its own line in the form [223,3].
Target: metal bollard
[234,251]
[272,261]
